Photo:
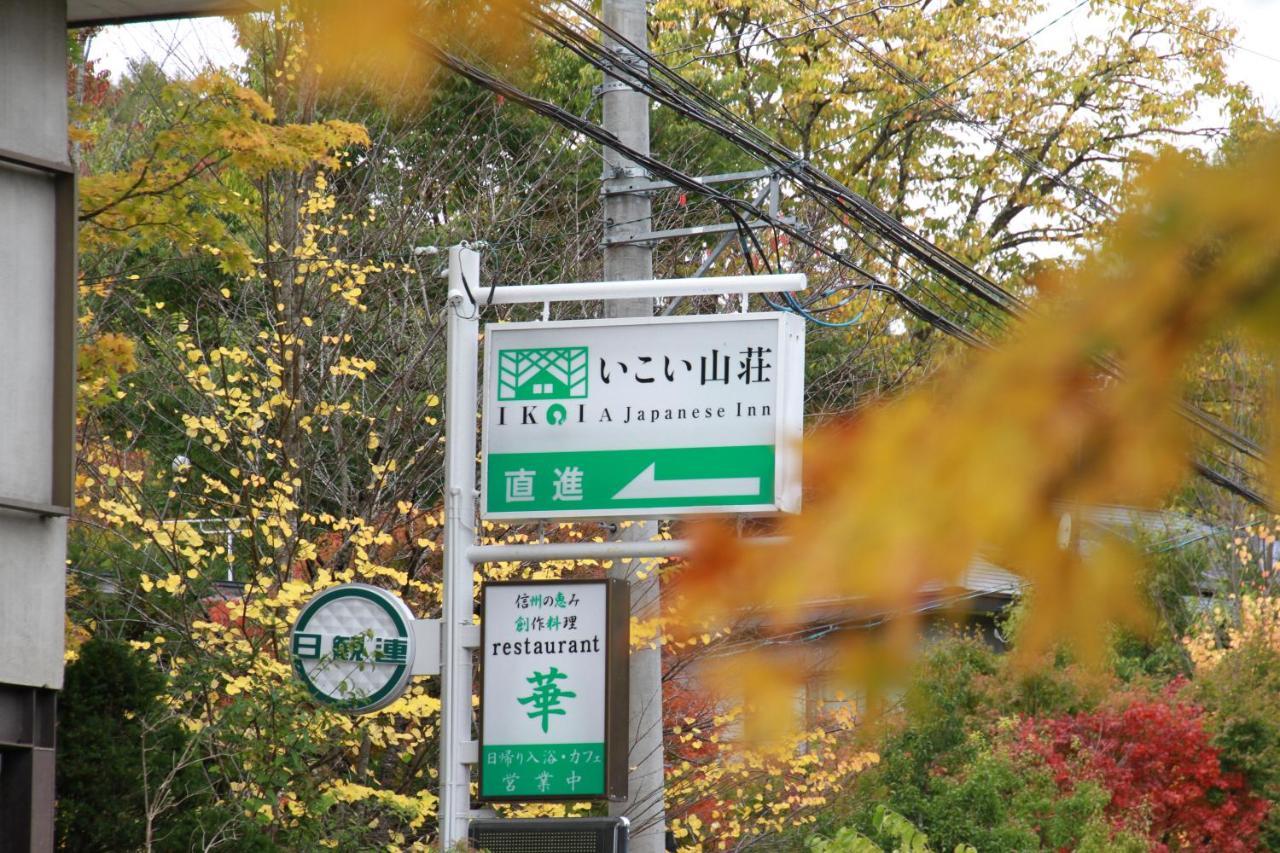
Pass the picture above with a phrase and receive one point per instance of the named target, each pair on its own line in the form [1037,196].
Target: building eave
[96,13]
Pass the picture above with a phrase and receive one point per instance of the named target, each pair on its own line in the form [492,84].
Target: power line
[1035,164]
[724,122]
[762,146]
[870,215]
[764,27]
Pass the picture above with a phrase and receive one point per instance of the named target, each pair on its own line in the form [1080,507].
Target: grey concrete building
[37,386]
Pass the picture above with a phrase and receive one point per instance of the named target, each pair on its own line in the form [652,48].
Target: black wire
[591,51]
[467,287]
[932,94]
[1240,490]
[892,230]
[492,288]
[1193,30]
[886,64]
[788,162]
[734,207]
[767,149]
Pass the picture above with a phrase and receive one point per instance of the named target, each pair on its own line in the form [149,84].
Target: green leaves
[885,822]
[947,108]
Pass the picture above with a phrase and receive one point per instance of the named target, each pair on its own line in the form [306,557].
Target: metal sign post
[460,636]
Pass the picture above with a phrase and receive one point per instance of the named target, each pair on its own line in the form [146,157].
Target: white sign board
[643,417]
[553,696]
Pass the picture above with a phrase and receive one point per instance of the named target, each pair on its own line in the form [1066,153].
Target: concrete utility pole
[626,115]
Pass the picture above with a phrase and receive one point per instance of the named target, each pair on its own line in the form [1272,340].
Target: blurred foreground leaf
[986,459]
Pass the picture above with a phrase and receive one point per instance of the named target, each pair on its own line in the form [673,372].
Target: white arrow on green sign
[647,486]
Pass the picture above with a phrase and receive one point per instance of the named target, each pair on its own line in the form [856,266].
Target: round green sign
[353,647]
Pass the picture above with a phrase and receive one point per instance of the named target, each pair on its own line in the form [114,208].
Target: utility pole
[626,115]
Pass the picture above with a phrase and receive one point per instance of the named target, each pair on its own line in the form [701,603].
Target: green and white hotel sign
[353,646]
[643,417]
[553,708]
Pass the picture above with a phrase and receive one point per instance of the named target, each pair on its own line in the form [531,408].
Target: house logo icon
[547,373]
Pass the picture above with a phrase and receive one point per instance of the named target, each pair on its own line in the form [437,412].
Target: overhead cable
[767,149]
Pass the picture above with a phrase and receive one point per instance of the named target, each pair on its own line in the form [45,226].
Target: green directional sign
[643,417]
[615,479]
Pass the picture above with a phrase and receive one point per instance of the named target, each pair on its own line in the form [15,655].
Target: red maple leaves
[1165,778]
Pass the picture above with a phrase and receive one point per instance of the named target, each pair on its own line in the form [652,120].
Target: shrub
[1238,684]
[1163,776]
[117,747]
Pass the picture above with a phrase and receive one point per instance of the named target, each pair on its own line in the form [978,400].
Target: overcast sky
[186,46]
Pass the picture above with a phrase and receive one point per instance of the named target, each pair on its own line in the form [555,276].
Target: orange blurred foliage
[383,50]
[986,458]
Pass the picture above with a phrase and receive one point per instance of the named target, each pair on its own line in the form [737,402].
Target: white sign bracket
[469,636]
[426,658]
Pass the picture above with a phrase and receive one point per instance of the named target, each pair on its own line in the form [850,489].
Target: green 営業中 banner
[542,770]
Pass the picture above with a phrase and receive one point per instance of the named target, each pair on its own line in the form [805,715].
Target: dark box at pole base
[550,835]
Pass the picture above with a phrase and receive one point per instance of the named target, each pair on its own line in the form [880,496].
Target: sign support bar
[458,634]
[515,294]
[536,552]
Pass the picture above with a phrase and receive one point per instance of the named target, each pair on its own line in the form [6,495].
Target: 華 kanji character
[546,696]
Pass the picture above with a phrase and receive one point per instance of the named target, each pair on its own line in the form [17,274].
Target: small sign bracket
[426,659]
